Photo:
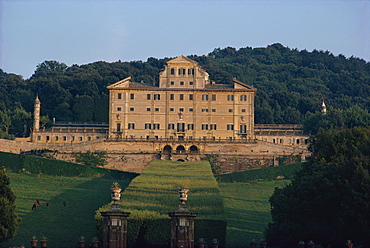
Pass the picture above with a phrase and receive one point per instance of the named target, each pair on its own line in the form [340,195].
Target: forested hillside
[291,86]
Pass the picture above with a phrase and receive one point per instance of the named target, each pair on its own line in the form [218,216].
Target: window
[181,83]
[204,126]
[64,138]
[243,110]
[213,97]
[191,71]
[191,83]
[190,109]
[147,109]
[132,109]
[191,97]
[148,97]
[172,109]
[230,127]
[73,138]
[131,126]
[213,110]
[38,137]
[148,126]
[119,109]
[172,83]
[181,71]
[205,97]
[156,126]
[180,127]
[171,126]
[156,109]
[190,126]
[157,97]
[89,138]
[80,138]
[181,109]
[243,128]
[243,98]
[212,127]
[118,127]
[230,110]
[56,138]
[230,97]
[132,96]
[181,97]
[172,97]
[204,110]
[172,71]
[119,96]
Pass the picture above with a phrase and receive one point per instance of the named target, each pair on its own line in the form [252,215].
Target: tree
[9,220]
[51,65]
[329,199]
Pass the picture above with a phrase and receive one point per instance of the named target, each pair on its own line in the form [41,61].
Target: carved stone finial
[183,195]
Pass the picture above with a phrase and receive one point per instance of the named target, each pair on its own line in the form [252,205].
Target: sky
[85,31]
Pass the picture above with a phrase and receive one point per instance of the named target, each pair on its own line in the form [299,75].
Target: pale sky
[85,31]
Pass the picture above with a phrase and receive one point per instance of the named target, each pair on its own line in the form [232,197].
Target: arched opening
[167,149]
[193,149]
[180,149]
[181,160]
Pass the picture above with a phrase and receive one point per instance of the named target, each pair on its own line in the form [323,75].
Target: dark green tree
[51,65]
[9,220]
[329,199]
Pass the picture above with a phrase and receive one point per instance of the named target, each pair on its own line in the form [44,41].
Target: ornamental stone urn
[115,192]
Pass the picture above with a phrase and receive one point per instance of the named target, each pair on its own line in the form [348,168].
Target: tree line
[291,86]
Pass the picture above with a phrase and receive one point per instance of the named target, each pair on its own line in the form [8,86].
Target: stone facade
[185,106]
[184,118]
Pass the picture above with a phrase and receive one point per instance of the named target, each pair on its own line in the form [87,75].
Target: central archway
[180,149]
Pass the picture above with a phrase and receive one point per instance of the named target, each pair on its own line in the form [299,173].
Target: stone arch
[167,149]
[180,149]
[193,149]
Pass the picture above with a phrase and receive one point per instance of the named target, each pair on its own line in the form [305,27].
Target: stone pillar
[115,223]
[36,123]
[182,224]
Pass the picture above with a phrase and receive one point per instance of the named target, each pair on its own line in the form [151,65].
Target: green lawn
[247,210]
[156,189]
[61,225]
[246,204]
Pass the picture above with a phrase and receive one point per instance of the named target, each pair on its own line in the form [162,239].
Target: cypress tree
[9,219]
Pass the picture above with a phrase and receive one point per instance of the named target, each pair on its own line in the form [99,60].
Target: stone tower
[323,107]
[36,121]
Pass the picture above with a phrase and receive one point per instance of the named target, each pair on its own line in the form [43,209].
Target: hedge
[34,165]
[286,171]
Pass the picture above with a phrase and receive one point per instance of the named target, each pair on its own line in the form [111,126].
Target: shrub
[34,165]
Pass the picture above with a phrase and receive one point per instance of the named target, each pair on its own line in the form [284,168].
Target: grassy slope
[247,209]
[156,189]
[61,225]
[246,204]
